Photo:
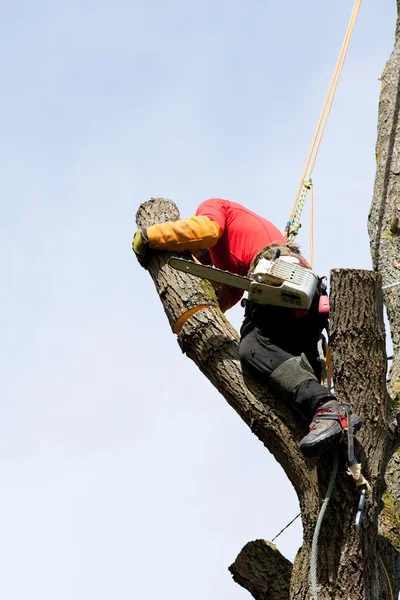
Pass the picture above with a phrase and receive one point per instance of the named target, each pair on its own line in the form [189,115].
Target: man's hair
[289,249]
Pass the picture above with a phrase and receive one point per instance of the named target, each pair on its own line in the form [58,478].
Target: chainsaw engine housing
[282,282]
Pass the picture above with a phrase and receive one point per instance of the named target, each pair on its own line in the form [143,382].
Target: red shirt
[244,234]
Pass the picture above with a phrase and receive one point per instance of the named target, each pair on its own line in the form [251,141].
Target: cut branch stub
[262,570]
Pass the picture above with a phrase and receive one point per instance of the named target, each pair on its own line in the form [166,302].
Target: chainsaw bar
[210,273]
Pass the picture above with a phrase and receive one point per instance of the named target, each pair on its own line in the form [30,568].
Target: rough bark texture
[348,567]
[384,233]
[390,519]
[383,222]
[263,571]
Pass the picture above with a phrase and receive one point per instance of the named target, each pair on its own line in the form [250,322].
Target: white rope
[391,285]
[314,548]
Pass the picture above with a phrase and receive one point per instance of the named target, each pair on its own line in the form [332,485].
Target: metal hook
[361,507]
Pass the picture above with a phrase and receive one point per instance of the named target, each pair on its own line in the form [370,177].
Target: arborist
[278,345]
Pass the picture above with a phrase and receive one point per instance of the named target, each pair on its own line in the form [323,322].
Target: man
[278,345]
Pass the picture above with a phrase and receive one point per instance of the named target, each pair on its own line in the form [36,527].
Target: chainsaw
[281,281]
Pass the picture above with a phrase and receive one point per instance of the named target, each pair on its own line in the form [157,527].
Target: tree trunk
[383,221]
[384,233]
[348,566]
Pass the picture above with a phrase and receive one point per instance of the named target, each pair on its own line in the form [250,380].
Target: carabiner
[361,507]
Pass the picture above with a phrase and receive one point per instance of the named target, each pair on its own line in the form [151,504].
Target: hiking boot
[327,425]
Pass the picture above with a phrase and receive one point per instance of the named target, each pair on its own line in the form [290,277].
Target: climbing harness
[306,185]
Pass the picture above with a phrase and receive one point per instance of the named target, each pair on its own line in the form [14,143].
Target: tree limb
[262,570]
[383,220]
[269,419]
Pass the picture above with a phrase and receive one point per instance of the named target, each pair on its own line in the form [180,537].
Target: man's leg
[292,379]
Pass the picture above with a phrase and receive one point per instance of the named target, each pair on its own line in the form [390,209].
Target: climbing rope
[387,578]
[286,526]
[311,225]
[314,547]
[293,225]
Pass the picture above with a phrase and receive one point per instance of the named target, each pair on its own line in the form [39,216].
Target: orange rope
[337,74]
[329,367]
[312,226]
[316,143]
[179,323]
[390,589]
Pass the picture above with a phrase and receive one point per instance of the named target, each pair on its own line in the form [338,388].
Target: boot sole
[325,443]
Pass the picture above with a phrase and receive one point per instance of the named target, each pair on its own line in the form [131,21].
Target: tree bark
[348,567]
[384,233]
[383,220]
[263,571]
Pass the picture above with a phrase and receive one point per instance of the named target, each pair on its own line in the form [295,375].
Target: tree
[350,566]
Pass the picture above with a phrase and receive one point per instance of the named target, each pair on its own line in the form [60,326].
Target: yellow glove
[188,234]
[140,243]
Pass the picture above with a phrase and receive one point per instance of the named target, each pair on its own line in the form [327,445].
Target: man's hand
[140,244]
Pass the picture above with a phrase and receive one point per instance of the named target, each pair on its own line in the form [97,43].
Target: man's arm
[228,296]
[189,234]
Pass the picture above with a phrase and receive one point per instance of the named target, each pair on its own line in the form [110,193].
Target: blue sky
[124,474]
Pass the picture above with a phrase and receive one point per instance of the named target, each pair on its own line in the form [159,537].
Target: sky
[124,474]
